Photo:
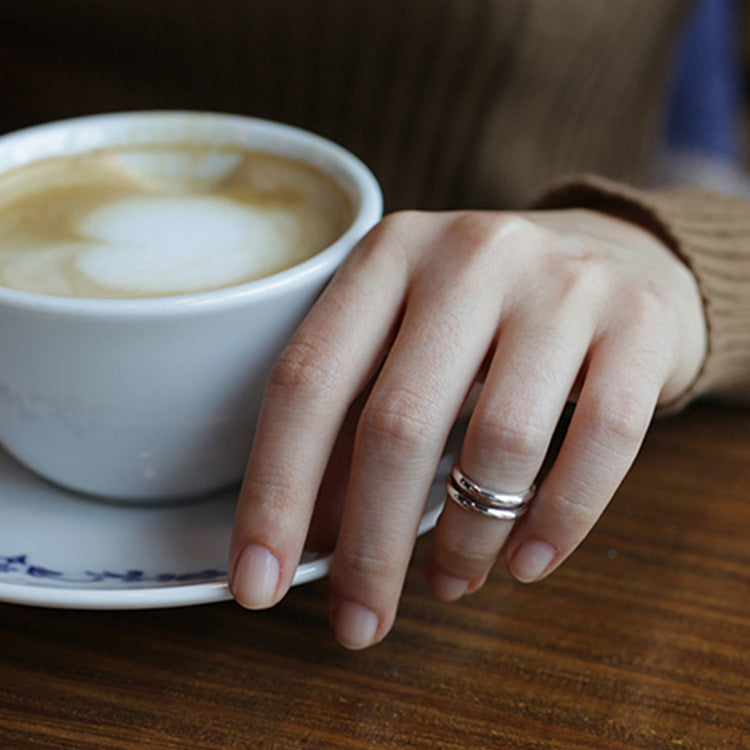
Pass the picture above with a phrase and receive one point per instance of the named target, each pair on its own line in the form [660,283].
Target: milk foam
[174,245]
[187,167]
[161,221]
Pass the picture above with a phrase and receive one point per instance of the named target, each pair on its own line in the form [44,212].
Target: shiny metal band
[503,505]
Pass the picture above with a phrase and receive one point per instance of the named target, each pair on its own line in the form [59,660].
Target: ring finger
[529,381]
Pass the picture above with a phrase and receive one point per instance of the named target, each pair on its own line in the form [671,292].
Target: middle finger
[399,440]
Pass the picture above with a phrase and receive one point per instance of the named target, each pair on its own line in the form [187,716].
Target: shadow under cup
[154,399]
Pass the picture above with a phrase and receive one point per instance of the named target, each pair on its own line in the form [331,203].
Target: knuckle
[398,419]
[580,281]
[520,437]
[469,229]
[481,228]
[461,555]
[574,513]
[275,495]
[619,418]
[476,235]
[305,367]
[585,279]
[365,562]
[649,309]
[390,235]
[399,221]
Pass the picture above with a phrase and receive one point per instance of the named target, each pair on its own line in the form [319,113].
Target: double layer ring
[503,505]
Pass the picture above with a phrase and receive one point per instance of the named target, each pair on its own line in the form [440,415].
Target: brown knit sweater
[453,103]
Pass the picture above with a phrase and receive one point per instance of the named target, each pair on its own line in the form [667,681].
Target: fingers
[328,361]
[626,371]
[399,441]
[425,306]
[531,375]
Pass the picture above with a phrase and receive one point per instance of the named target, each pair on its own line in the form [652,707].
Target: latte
[161,220]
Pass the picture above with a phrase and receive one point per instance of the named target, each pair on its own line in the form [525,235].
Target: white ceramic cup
[156,398]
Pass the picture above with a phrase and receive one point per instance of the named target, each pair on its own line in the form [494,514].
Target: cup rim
[351,173]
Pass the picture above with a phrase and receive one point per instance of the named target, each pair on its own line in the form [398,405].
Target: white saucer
[59,549]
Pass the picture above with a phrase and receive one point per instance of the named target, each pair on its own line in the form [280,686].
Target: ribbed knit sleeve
[711,233]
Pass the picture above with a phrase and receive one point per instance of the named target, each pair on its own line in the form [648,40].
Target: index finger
[326,364]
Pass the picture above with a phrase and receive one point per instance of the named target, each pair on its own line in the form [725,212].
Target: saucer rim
[164,597]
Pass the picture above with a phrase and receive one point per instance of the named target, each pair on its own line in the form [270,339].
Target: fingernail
[355,625]
[256,576]
[448,588]
[531,560]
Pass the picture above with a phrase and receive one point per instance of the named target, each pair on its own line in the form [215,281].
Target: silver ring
[504,505]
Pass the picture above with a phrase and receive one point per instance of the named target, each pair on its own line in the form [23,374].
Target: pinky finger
[608,425]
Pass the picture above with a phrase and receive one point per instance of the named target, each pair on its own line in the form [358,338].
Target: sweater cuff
[710,233]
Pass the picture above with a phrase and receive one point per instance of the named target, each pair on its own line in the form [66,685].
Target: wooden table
[642,640]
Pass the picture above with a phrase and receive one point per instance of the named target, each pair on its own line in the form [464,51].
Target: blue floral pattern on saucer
[15,564]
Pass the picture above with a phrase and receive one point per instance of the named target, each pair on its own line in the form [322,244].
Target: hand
[544,308]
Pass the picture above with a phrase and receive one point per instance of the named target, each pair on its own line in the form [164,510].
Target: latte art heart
[177,245]
[147,222]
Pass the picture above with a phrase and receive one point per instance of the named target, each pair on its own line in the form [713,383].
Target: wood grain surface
[642,640]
